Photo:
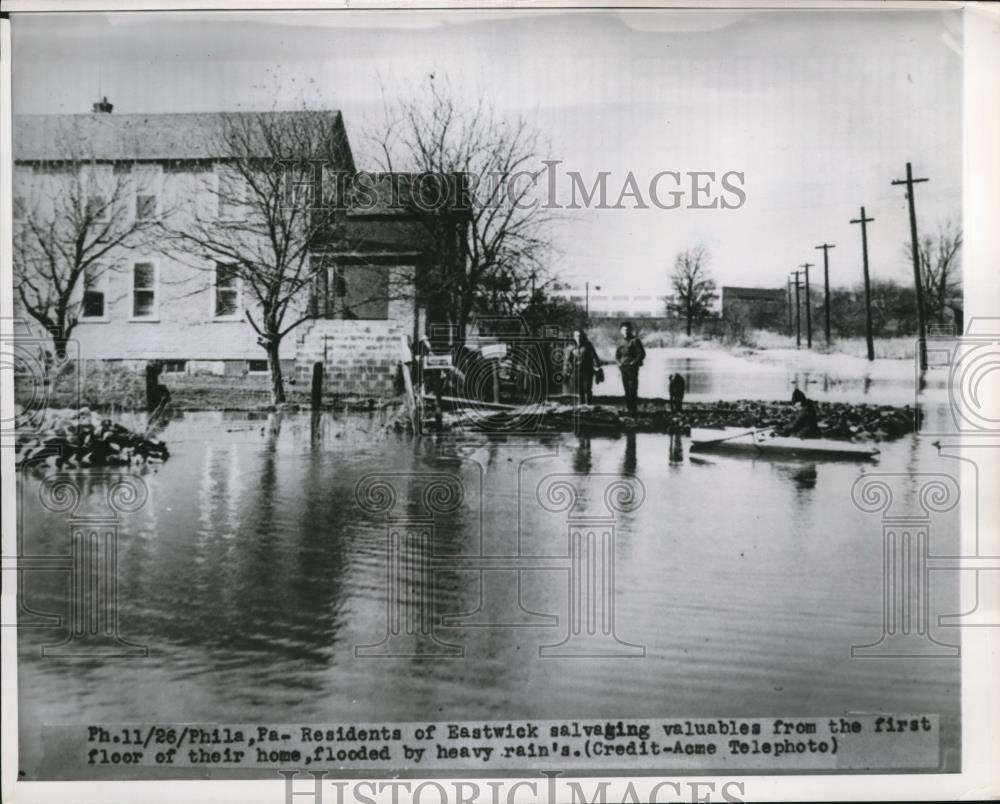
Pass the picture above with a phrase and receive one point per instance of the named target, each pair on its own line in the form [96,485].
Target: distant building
[765,308]
[614,303]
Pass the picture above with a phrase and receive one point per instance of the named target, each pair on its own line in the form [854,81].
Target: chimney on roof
[102,106]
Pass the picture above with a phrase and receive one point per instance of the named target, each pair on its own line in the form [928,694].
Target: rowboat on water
[741,439]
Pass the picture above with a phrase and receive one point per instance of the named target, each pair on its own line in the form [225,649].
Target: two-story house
[142,300]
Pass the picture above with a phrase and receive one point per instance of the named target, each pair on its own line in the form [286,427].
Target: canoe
[745,440]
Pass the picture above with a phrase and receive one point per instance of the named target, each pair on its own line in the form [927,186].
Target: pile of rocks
[837,420]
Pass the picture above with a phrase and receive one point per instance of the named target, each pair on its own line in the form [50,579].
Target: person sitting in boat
[806,424]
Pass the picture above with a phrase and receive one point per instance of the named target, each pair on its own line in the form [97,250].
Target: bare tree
[940,268]
[73,222]
[489,253]
[271,216]
[694,289]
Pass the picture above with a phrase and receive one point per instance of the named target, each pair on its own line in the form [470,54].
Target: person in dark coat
[630,356]
[677,388]
[584,363]
[806,424]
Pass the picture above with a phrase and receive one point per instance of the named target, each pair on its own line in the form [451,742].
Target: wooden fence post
[316,394]
[153,369]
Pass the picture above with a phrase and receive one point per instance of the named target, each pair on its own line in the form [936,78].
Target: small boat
[754,441]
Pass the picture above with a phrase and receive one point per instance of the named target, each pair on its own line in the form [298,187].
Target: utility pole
[868,288]
[909,181]
[809,321]
[826,287]
[586,302]
[798,319]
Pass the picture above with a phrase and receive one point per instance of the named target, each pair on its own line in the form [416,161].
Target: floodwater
[253,575]
[772,374]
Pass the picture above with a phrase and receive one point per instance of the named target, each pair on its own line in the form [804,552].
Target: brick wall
[360,357]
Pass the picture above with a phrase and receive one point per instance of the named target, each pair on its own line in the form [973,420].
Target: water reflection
[254,575]
[676,449]
[630,460]
[803,476]
[583,460]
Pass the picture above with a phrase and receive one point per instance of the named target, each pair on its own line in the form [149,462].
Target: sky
[820,111]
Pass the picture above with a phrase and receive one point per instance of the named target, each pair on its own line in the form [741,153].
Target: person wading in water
[630,356]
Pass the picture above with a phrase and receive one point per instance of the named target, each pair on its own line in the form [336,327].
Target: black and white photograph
[602,402]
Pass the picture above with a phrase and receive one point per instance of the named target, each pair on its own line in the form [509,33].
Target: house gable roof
[142,137]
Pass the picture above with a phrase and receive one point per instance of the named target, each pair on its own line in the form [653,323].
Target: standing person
[630,356]
[584,364]
[677,389]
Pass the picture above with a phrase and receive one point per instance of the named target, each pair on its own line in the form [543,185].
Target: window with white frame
[227,291]
[148,190]
[97,207]
[231,193]
[95,287]
[98,182]
[23,180]
[144,290]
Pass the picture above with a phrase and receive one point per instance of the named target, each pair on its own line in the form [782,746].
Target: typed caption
[856,741]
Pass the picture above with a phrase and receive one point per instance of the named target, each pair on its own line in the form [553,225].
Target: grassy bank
[115,388]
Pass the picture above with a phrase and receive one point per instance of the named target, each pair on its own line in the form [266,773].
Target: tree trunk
[462,323]
[274,367]
[59,343]
[688,318]
[60,331]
